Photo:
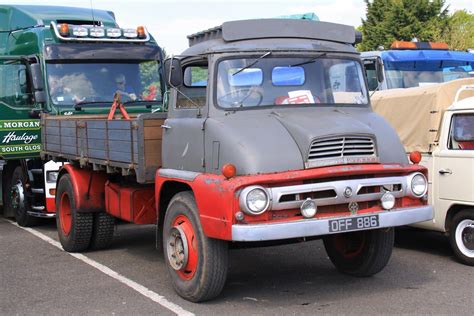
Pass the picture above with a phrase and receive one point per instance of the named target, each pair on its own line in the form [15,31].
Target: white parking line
[113,274]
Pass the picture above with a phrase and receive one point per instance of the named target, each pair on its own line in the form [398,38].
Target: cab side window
[461,136]
[14,89]
[371,73]
[193,91]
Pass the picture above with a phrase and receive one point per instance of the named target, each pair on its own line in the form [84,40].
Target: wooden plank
[51,123]
[153,160]
[68,141]
[119,124]
[153,133]
[120,156]
[97,153]
[68,131]
[152,146]
[153,122]
[97,144]
[95,133]
[51,139]
[120,146]
[52,130]
[119,135]
[68,149]
[96,124]
[52,147]
[70,124]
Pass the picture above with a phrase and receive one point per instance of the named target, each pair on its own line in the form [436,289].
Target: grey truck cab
[269,137]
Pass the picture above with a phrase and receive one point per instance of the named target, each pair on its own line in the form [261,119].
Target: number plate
[353,223]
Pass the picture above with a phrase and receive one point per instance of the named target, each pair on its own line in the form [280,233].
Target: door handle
[445,171]
[165,126]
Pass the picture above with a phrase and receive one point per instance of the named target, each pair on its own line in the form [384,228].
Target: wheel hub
[18,196]
[468,236]
[464,236]
[178,251]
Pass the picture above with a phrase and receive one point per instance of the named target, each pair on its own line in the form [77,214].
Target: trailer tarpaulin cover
[416,113]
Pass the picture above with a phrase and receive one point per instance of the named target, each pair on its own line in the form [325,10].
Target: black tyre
[103,231]
[17,200]
[8,210]
[74,228]
[197,264]
[461,236]
[362,253]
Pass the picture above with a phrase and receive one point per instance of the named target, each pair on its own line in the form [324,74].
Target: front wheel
[197,264]
[361,253]
[461,236]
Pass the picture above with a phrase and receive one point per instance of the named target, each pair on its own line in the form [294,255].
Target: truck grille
[341,150]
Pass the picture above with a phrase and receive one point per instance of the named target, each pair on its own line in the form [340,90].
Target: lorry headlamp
[114,33]
[418,185]
[130,33]
[79,31]
[97,32]
[254,200]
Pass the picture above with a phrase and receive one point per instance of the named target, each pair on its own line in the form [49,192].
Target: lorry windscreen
[276,81]
[407,74]
[93,83]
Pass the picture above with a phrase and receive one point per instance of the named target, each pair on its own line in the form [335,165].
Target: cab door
[19,131]
[455,170]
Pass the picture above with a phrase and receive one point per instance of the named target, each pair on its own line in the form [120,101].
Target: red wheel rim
[188,271]
[350,245]
[65,214]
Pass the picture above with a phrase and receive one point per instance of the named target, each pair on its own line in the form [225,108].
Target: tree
[460,31]
[390,20]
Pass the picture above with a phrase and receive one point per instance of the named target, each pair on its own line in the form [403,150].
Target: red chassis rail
[217,198]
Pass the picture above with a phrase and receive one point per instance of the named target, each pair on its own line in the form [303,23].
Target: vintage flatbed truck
[269,137]
[61,61]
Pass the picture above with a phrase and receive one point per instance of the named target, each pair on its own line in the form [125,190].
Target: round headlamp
[388,201]
[308,208]
[418,185]
[254,200]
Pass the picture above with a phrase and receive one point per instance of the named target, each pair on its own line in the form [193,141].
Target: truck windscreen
[94,83]
[280,81]
[407,74]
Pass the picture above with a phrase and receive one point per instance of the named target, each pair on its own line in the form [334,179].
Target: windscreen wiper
[78,105]
[252,63]
[148,103]
[312,60]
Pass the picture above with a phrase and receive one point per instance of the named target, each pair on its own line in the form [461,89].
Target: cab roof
[15,17]
[420,55]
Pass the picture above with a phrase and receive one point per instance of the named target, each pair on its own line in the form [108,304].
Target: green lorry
[63,61]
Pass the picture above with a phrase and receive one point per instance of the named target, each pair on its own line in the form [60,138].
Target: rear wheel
[197,264]
[103,231]
[17,199]
[461,236]
[362,253]
[74,228]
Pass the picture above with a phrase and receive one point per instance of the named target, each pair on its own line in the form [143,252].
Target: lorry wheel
[461,236]
[74,228]
[17,199]
[362,253]
[103,231]
[197,264]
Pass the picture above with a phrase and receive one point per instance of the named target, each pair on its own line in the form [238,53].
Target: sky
[170,21]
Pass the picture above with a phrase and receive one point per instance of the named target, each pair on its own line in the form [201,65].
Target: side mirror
[36,77]
[379,69]
[173,72]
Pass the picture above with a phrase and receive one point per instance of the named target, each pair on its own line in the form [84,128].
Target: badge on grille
[348,192]
[353,207]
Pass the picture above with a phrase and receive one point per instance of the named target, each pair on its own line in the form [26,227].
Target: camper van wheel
[362,253]
[74,228]
[197,264]
[461,236]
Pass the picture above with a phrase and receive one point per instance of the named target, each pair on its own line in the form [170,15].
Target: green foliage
[390,20]
[460,31]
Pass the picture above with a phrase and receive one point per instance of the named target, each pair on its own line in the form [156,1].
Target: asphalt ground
[130,278]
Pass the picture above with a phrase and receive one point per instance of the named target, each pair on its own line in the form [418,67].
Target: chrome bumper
[319,227]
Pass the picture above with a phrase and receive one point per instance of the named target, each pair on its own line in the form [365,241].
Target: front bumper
[320,227]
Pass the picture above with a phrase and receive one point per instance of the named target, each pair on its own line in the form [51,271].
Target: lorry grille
[341,150]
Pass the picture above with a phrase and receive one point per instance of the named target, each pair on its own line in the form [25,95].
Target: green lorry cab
[63,61]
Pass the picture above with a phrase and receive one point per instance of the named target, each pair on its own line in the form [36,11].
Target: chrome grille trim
[345,149]
[338,186]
